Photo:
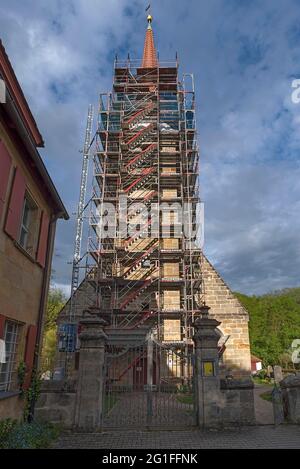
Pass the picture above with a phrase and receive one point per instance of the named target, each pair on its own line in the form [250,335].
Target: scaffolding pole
[79,231]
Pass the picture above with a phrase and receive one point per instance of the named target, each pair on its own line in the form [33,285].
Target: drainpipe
[43,299]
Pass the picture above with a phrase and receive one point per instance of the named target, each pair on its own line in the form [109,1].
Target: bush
[14,435]
[6,427]
[261,377]
[262,374]
[184,389]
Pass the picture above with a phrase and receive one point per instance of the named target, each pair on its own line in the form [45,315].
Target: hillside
[274,324]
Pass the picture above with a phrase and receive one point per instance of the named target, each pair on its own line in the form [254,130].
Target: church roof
[149,55]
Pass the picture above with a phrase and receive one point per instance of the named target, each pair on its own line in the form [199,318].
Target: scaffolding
[142,266]
[81,207]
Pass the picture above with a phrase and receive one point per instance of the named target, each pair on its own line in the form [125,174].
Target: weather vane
[149,17]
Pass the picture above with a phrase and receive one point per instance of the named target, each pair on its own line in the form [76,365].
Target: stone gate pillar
[89,396]
[207,380]
[290,386]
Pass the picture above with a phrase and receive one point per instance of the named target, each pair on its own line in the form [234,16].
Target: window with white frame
[8,369]
[28,232]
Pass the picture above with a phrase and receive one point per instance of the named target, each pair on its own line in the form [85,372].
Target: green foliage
[262,375]
[262,378]
[109,402]
[6,427]
[274,324]
[267,396]
[186,399]
[31,395]
[184,389]
[21,372]
[49,350]
[56,301]
[14,435]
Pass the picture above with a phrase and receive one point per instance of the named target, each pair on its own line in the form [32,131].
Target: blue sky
[244,55]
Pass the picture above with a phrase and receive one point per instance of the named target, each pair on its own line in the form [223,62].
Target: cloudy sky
[244,55]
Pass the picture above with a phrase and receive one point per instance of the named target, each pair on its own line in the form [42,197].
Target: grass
[186,399]
[267,396]
[109,402]
[268,381]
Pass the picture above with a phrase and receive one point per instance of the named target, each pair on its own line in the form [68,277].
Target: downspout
[43,299]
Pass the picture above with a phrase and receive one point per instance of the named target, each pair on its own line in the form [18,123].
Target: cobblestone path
[130,410]
[284,436]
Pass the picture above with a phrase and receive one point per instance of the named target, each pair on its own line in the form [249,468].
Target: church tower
[147,266]
[144,266]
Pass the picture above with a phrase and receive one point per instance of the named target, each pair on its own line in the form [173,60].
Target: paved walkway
[284,436]
[264,435]
[130,410]
[263,409]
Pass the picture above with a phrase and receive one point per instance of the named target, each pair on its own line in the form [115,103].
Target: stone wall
[237,402]
[11,406]
[233,405]
[227,309]
[56,403]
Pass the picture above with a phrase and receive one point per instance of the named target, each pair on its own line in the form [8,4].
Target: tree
[56,301]
[274,324]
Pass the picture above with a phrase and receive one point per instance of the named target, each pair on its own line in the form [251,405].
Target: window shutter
[29,353]
[2,325]
[15,208]
[5,165]
[42,247]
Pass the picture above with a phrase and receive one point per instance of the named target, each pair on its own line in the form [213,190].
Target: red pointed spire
[149,56]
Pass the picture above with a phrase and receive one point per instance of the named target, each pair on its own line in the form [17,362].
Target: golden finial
[149,19]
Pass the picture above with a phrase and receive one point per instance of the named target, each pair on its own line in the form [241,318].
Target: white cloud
[243,60]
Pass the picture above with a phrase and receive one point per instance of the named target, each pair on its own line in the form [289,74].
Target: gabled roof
[20,121]
[255,359]
[13,87]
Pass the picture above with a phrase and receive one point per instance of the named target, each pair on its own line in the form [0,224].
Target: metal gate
[148,385]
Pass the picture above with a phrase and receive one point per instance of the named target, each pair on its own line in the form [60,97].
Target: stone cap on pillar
[92,334]
[206,328]
[291,381]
